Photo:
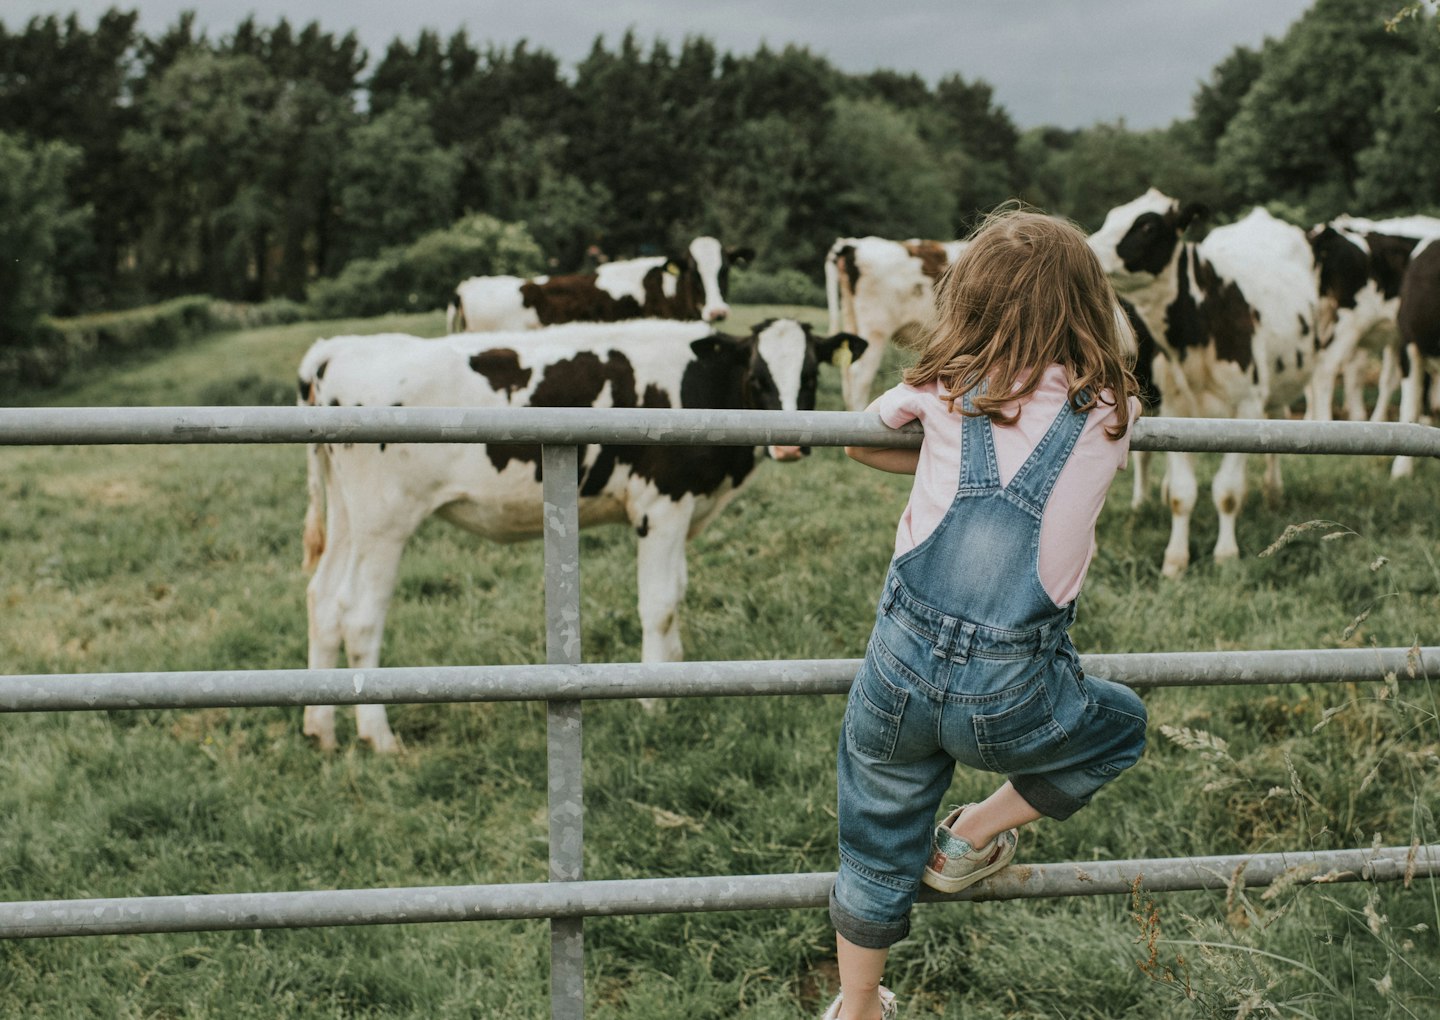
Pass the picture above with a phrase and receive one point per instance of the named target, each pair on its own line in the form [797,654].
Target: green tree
[1301,126]
[205,147]
[1400,171]
[523,181]
[60,82]
[393,181]
[891,184]
[36,222]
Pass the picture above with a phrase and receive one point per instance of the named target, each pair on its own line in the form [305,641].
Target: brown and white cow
[1361,264]
[1234,318]
[367,499]
[875,288]
[688,287]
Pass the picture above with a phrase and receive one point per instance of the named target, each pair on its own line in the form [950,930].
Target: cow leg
[323,598]
[1320,394]
[1274,484]
[660,564]
[857,382]
[1386,386]
[1410,393]
[1354,381]
[371,586]
[1137,461]
[1182,489]
[1228,492]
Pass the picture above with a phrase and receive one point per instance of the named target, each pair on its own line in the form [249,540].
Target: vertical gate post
[563,730]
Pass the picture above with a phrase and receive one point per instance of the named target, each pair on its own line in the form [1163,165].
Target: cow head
[1141,236]
[704,270]
[776,368]
[1341,270]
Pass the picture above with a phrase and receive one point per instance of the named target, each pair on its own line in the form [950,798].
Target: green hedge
[60,346]
[777,287]
[423,275]
[57,347]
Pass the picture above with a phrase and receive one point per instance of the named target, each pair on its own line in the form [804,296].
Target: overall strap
[978,467]
[1037,476]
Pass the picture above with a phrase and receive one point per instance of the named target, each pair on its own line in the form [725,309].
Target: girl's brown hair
[1028,292]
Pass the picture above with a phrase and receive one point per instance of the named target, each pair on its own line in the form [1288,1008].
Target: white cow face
[1140,237]
[708,259]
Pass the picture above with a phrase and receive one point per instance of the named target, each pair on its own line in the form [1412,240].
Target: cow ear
[739,256]
[846,345]
[1189,213]
[718,346]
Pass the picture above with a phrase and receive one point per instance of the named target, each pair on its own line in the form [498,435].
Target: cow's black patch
[1389,260]
[1145,351]
[644,527]
[1343,266]
[1419,317]
[576,382]
[846,258]
[1148,245]
[1227,319]
[304,388]
[320,371]
[501,369]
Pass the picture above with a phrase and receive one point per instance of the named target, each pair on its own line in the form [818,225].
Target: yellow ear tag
[842,358]
[673,269]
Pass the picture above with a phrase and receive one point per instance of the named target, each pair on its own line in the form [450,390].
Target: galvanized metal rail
[80,692]
[639,427]
[564,683]
[575,900]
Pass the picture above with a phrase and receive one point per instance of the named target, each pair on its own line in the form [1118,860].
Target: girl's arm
[895,459]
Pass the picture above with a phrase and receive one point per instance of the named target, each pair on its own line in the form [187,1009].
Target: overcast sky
[1070,63]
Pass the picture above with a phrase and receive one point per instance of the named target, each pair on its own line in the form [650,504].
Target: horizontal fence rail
[91,426]
[79,692]
[554,900]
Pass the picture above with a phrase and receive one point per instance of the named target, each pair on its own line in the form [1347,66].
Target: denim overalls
[969,661]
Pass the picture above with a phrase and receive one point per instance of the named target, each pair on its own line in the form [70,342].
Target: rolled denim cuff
[863,933]
[1047,798]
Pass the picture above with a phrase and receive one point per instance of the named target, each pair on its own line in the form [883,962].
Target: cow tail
[846,294]
[455,315]
[317,464]
[832,289]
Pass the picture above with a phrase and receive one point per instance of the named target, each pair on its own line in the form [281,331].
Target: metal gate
[564,684]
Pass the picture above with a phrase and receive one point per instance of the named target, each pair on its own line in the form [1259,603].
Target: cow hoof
[323,741]
[1174,566]
[1227,554]
[384,743]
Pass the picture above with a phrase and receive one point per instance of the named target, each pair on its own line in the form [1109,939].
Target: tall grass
[188,558]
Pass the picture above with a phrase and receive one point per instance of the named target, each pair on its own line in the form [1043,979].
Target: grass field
[147,558]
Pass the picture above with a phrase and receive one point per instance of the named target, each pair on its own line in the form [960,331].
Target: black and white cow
[1361,264]
[367,499]
[875,288]
[1234,318]
[1418,325]
[692,286]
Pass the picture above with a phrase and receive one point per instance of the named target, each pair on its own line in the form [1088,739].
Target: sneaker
[887,1006]
[955,864]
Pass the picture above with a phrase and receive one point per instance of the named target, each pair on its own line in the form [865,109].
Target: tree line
[249,165]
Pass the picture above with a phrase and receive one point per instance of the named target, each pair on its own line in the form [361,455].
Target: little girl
[1026,399]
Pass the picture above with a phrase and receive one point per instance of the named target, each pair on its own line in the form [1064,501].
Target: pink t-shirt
[1067,530]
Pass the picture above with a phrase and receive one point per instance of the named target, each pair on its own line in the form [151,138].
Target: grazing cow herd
[1247,322]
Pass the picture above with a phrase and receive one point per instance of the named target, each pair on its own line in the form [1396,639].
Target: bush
[58,346]
[249,390]
[778,287]
[423,275]
[276,312]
